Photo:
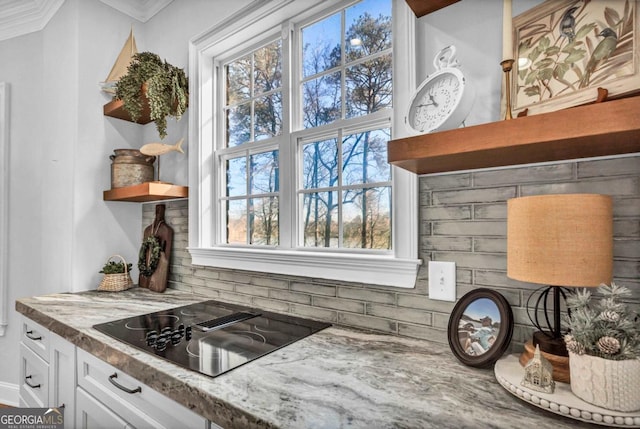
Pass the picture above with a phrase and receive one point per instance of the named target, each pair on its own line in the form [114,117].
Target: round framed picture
[480,327]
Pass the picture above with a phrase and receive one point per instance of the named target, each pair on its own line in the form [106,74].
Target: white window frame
[254,22]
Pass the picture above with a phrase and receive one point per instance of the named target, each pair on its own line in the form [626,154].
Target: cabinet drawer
[92,414]
[34,378]
[142,407]
[35,337]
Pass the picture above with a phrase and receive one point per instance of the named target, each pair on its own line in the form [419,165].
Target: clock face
[435,101]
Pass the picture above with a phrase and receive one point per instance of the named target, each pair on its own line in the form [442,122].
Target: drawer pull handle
[28,333]
[33,386]
[121,387]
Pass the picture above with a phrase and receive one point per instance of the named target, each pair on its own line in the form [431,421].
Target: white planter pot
[610,384]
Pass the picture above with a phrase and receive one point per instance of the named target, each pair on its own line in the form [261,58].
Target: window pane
[320,219]
[264,173]
[366,216]
[236,177]
[264,221]
[364,157]
[237,221]
[268,68]
[369,86]
[239,125]
[238,80]
[321,46]
[320,162]
[268,116]
[321,100]
[368,26]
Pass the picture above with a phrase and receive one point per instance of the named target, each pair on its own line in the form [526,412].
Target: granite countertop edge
[336,378]
[193,398]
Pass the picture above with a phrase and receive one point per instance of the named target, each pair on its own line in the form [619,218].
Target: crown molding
[142,10]
[19,17]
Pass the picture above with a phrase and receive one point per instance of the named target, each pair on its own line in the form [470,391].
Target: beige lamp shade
[560,240]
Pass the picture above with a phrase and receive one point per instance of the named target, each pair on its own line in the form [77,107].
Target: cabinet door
[137,403]
[93,414]
[34,378]
[62,376]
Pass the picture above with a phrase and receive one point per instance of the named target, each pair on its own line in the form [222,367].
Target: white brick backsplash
[462,219]
[609,167]
[545,173]
[483,195]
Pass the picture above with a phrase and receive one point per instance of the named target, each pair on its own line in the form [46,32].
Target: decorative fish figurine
[155,149]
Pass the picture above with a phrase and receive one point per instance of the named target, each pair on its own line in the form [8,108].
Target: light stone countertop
[336,378]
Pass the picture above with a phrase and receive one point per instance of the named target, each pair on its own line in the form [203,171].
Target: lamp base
[548,344]
[560,364]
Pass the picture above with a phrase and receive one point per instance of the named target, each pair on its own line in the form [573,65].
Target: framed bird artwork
[566,49]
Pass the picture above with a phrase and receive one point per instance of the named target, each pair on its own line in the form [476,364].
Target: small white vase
[610,384]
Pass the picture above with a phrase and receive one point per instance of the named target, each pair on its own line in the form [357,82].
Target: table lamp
[558,241]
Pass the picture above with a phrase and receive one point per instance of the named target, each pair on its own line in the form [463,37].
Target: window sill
[375,270]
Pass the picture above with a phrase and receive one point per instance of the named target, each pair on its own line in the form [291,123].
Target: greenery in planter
[606,328]
[113,267]
[167,89]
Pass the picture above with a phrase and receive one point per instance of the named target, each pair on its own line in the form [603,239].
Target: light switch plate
[442,281]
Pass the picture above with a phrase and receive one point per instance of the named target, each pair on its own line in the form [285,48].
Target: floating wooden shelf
[599,129]
[424,7]
[148,191]
[115,109]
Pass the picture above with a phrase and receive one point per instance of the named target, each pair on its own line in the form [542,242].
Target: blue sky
[483,307]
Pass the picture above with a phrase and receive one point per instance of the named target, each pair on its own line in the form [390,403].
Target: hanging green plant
[150,243]
[167,89]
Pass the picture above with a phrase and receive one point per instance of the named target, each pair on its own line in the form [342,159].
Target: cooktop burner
[210,337]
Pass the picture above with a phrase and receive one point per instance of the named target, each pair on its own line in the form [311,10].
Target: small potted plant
[165,86]
[117,275]
[604,348]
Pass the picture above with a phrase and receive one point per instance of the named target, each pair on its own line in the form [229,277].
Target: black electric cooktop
[210,337]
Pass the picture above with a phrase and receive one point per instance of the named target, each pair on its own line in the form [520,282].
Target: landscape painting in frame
[479,326]
[566,49]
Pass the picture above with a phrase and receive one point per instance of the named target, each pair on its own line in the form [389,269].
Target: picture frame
[480,327]
[564,54]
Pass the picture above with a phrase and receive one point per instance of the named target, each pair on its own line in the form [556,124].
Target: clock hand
[433,102]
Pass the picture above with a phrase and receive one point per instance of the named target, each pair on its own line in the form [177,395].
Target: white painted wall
[475,28]
[61,231]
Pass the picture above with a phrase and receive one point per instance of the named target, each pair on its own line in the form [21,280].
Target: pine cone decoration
[572,345]
[609,316]
[609,345]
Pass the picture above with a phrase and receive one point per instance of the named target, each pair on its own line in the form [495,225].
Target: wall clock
[444,99]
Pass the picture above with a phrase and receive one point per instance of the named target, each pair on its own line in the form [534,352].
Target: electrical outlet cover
[442,281]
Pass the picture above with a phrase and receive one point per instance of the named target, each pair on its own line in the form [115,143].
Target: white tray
[562,401]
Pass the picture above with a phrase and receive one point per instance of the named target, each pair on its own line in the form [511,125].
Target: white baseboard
[9,394]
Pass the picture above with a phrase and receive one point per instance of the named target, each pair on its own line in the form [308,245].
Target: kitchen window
[294,108]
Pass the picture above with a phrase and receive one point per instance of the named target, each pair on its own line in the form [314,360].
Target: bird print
[568,24]
[600,54]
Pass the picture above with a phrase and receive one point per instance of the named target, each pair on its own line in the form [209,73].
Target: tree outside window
[344,190]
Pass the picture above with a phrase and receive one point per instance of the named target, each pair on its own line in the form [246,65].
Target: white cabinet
[34,379]
[93,414]
[137,404]
[54,372]
[62,376]
[47,370]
